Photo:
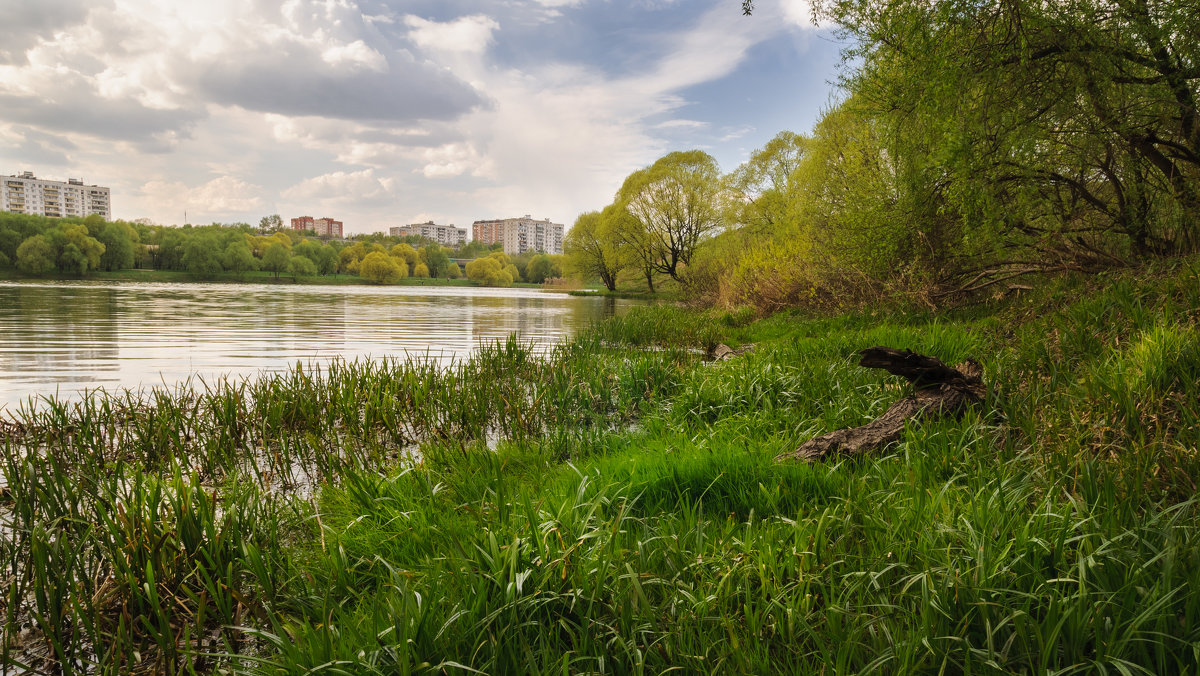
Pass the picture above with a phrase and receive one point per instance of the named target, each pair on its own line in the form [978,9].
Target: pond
[62,338]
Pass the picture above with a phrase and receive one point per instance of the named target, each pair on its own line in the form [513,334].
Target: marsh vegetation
[606,507]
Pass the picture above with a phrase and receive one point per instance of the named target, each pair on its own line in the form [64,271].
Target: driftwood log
[939,391]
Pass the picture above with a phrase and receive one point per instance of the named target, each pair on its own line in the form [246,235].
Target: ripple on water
[62,337]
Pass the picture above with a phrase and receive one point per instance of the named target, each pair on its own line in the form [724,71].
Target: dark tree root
[940,391]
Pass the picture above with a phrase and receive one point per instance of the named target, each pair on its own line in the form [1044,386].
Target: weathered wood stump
[940,391]
[722,352]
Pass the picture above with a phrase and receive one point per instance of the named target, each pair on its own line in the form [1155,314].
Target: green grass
[614,506]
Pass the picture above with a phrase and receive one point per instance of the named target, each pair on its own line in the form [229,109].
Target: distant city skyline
[390,113]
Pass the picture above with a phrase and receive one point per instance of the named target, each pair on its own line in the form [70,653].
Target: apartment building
[28,194]
[324,227]
[519,235]
[446,235]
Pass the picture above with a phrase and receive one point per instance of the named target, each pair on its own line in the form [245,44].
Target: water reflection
[68,336]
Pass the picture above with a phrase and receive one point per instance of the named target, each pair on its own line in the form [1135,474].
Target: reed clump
[612,506]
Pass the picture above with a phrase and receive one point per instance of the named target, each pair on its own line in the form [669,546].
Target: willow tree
[592,250]
[763,188]
[1067,130]
[676,203]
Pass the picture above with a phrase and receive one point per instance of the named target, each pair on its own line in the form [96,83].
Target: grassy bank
[616,509]
[254,277]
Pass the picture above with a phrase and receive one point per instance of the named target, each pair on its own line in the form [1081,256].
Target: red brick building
[324,226]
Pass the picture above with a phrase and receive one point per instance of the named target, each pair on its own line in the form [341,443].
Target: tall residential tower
[27,194]
[519,235]
[446,235]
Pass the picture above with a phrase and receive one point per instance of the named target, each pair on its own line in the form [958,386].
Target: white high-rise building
[519,235]
[446,235]
[27,194]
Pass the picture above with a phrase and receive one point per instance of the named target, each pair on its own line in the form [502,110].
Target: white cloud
[221,196]
[238,108]
[682,124]
[342,188]
[464,34]
[356,55]
[453,159]
[798,12]
[735,133]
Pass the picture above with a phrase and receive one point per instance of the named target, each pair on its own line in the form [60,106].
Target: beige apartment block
[519,235]
[28,194]
[446,235]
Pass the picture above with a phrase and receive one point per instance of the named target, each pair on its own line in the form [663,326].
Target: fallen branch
[940,391]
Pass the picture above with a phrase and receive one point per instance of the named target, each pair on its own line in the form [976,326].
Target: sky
[387,112]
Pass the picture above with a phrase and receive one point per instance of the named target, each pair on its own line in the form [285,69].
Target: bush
[488,272]
[380,268]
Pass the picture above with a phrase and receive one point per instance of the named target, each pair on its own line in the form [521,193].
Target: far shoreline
[256,277]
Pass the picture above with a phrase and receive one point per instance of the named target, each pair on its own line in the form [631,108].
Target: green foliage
[202,255]
[567,510]
[276,258]
[673,205]
[301,266]
[407,254]
[511,271]
[35,256]
[76,251]
[436,259]
[120,241]
[270,223]
[489,271]
[238,257]
[72,260]
[420,270]
[592,250]
[1068,131]
[762,190]
[544,266]
[380,268]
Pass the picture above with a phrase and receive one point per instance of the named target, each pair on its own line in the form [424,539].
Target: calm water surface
[67,337]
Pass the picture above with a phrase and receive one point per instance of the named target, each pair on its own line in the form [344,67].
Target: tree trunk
[941,390]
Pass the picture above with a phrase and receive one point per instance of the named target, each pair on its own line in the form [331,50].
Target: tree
[350,257]
[437,259]
[420,270]
[513,272]
[676,202]
[239,258]
[406,254]
[300,266]
[270,223]
[202,255]
[489,271]
[87,252]
[593,250]
[379,268]
[540,268]
[35,256]
[1049,132]
[72,259]
[857,210]
[276,259]
[119,242]
[327,261]
[762,188]
[634,240]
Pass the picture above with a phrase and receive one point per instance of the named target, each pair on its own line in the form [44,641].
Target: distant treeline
[973,143]
[76,247]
